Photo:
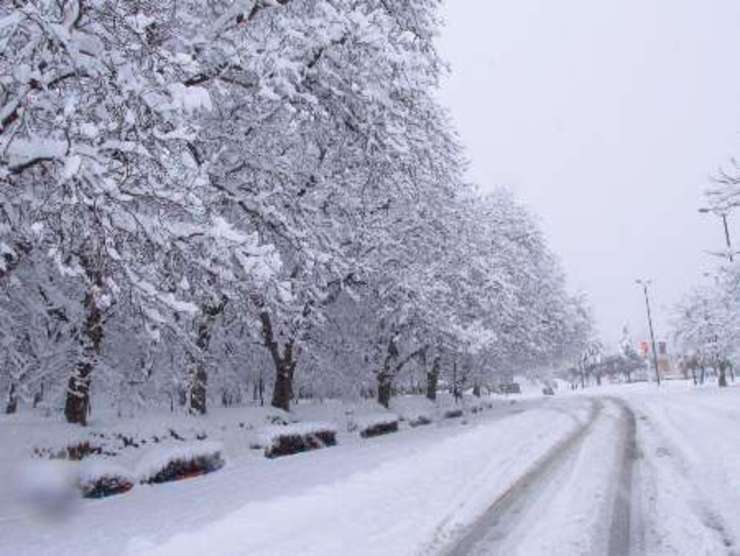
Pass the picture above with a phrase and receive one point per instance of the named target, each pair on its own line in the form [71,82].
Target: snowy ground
[614,470]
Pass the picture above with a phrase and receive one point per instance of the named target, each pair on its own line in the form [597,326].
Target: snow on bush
[453,413]
[74,450]
[180,462]
[100,477]
[415,410]
[375,424]
[295,438]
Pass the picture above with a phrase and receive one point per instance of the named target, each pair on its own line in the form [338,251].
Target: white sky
[607,117]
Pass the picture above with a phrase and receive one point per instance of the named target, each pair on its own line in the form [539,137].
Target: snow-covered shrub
[99,478]
[75,451]
[420,420]
[299,437]
[180,462]
[415,410]
[453,413]
[376,424]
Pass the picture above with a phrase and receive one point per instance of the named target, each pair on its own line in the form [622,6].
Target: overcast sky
[607,117]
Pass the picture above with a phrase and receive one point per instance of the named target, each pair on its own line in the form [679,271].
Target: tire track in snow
[668,450]
[535,494]
[508,508]
[623,536]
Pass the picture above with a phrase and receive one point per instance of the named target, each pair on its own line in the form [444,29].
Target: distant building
[667,369]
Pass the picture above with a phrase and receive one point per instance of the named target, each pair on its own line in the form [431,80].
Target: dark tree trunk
[258,393]
[198,391]
[432,380]
[629,377]
[722,376]
[455,383]
[384,389]
[476,390]
[693,375]
[282,392]
[12,405]
[702,376]
[39,395]
[77,404]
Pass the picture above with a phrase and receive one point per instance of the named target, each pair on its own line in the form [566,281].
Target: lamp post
[723,216]
[645,284]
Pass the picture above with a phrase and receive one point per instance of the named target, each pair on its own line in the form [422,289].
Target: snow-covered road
[622,470]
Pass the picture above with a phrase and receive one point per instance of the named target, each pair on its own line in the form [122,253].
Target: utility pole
[645,284]
[723,216]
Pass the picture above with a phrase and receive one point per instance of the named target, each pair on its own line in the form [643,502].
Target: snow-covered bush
[453,413]
[100,477]
[415,410]
[299,437]
[376,424]
[180,462]
[74,451]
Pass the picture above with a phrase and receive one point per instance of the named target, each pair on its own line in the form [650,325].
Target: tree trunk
[39,395]
[282,393]
[77,404]
[199,374]
[12,405]
[432,380]
[198,388]
[384,389]
[722,376]
[476,390]
[455,386]
[703,373]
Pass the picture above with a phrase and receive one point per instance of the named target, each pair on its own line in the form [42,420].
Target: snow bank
[180,462]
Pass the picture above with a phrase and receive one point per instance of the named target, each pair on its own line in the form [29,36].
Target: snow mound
[180,462]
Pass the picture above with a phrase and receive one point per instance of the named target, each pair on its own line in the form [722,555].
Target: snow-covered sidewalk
[388,495]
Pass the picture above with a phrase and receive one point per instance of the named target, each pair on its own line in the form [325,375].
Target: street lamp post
[645,284]
[723,216]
